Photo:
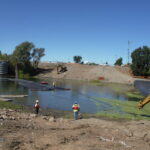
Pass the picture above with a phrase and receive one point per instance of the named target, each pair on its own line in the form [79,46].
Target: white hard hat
[37,101]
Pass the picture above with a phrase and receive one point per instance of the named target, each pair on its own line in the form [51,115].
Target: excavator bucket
[144,102]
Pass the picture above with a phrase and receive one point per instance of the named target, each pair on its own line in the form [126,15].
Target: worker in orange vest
[76,109]
[37,106]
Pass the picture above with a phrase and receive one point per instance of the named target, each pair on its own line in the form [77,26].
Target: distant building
[3,67]
[86,62]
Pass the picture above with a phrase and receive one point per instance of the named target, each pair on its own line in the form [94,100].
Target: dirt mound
[26,131]
[89,72]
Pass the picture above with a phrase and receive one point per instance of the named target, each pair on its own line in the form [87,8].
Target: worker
[54,85]
[37,106]
[76,109]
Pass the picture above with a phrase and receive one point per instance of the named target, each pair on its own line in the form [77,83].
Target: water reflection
[63,100]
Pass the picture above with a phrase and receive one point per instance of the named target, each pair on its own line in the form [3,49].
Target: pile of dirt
[26,131]
[89,72]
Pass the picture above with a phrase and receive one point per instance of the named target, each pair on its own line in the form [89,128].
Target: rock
[51,119]
[128,133]
[45,118]
[61,119]
[32,115]
[12,118]
[19,118]
[29,126]
[4,117]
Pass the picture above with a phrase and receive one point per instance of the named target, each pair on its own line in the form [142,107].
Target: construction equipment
[61,68]
[144,102]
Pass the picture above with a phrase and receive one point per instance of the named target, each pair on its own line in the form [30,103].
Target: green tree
[37,54]
[22,56]
[4,57]
[14,61]
[118,62]
[141,61]
[77,59]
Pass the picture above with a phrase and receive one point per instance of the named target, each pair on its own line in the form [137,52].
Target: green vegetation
[127,90]
[36,55]
[135,95]
[117,87]
[118,62]
[24,59]
[141,61]
[77,59]
[92,63]
[96,82]
[23,75]
[9,105]
[120,88]
[122,109]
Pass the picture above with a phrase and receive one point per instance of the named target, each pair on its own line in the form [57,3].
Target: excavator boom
[144,102]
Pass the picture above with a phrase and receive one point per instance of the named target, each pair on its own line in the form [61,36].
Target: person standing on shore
[54,85]
[37,106]
[76,109]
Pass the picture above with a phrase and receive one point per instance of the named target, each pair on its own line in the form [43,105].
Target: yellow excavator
[144,102]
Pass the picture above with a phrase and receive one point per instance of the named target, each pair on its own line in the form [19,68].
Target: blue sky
[97,30]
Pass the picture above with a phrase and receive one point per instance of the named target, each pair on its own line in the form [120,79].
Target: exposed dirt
[89,72]
[26,131]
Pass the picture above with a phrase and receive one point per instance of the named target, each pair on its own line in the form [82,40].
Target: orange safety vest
[76,107]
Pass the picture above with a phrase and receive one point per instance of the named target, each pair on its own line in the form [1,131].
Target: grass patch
[128,91]
[121,88]
[9,105]
[135,95]
[123,109]
[97,83]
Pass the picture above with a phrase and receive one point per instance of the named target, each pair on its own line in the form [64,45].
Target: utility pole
[128,52]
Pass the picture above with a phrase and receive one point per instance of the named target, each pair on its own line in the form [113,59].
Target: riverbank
[21,129]
[24,130]
[111,74]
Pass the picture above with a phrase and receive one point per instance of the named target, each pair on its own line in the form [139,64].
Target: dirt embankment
[26,131]
[113,74]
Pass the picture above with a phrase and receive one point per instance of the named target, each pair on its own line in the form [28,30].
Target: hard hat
[37,101]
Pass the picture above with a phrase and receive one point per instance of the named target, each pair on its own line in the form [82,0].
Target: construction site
[52,131]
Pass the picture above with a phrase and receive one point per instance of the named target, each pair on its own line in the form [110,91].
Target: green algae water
[111,100]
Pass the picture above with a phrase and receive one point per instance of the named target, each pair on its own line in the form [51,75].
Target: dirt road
[26,131]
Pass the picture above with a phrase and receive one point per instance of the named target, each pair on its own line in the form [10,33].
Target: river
[83,92]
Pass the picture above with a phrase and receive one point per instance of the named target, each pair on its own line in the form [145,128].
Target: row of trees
[78,59]
[24,58]
[140,61]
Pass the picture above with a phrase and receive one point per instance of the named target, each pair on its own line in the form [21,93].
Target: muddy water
[63,99]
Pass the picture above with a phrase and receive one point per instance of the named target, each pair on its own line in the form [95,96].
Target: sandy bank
[114,74]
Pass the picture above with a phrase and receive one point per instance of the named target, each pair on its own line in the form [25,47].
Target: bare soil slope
[89,72]
[26,131]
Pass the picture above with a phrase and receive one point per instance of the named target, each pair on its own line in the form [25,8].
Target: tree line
[140,64]
[24,59]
